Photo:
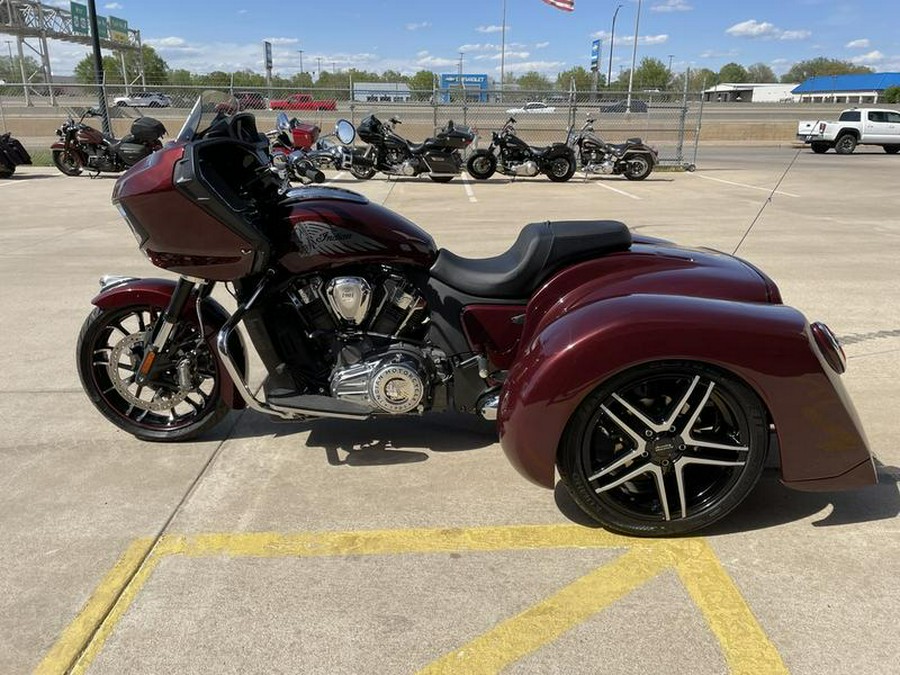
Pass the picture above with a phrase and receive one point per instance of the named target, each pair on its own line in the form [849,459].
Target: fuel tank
[328,227]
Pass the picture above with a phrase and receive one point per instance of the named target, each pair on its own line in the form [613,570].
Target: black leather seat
[540,250]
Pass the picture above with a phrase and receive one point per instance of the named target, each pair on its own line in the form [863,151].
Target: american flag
[564,5]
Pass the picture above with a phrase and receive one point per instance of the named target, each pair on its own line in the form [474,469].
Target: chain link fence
[668,121]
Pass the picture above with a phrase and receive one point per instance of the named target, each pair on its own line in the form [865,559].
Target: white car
[532,107]
[144,99]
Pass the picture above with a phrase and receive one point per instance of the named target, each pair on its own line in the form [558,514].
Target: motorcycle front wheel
[664,449]
[67,162]
[166,407]
[561,169]
[638,168]
[481,165]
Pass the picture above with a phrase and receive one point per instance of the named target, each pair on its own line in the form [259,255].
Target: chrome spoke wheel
[667,449]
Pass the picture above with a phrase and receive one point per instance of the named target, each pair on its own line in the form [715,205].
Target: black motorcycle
[292,136]
[12,154]
[634,159]
[438,157]
[512,156]
[81,146]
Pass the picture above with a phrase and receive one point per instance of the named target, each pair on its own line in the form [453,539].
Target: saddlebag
[304,135]
[147,130]
[456,137]
[132,153]
[12,152]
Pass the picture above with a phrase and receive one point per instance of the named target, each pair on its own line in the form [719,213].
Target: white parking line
[743,185]
[468,186]
[617,190]
[340,174]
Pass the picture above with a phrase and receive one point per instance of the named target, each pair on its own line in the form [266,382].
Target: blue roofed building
[862,88]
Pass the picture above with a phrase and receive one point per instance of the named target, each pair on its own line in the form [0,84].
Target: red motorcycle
[81,146]
[654,378]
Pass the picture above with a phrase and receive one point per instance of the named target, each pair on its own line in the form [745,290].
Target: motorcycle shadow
[381,441]
[619,179]
[771,504]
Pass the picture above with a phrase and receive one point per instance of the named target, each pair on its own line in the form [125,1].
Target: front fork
[165,325]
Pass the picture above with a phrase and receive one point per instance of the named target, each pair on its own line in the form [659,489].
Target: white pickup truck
[857,126]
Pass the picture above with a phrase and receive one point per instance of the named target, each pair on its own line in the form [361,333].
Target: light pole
[318,67]
[612,43]
[637,27]
[300,52]
[669,72]
[503,50]
[461,62]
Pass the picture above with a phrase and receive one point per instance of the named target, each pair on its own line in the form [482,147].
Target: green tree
[584,79]
[891,95]
[10,71]
[733,72]
[698,80]
[181,77]
[422,85]
[394,76]
[533,81]
[803,70]
[156,70]
[651,74]
[760,72]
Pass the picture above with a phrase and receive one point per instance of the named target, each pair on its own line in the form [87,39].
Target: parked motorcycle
[438,157]
[512,156]
[12,154]
[291,135]
[84,147]
[654,377]
[633,158]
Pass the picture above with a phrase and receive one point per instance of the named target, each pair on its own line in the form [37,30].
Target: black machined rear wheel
[165,408]
[561,169]
[664,449]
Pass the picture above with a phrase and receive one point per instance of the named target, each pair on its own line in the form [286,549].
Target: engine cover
[349,297]
[529,168]
[394,382]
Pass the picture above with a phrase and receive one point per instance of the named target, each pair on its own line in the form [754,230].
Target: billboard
[102,28]
[267,48]
[118,29]
[475,85]
[80,25]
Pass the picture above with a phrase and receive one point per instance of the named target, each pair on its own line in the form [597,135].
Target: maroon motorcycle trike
[654,378]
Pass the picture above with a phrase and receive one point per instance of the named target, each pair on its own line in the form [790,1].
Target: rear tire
[6,171]
[845,145]
[892,149]
[481,165]
[361,172]
[819,148]
[68,162]
[441,179]
[638,167]
[561,169]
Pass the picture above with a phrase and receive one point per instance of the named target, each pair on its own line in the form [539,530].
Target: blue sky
[409,35]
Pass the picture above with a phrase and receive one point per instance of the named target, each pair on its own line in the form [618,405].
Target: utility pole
[318,67]
[503,50]
[300,51]
[612,44]
[637,27]
[461,62]
[98,65]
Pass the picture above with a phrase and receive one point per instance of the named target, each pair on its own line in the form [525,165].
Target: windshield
[210,107]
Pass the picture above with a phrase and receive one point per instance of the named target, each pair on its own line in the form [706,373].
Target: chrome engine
[372,366]
[395,382]
[527,168]
[607,166]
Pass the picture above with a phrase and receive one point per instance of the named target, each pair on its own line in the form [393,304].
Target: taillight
[830,347]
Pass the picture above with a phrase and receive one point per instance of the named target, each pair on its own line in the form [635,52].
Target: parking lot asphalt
[404,545]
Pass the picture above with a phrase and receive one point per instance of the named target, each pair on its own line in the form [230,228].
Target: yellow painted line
[747,649]
[744,644]
[548,620]
[75,637]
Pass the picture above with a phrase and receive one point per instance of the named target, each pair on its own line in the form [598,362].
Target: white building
[373,92]
[747,92]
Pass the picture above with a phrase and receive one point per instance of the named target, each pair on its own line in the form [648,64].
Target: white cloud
[242,11]
[671,6]
[763,30]
[713,54]
[858,44]
[426,60]
[491,29]
[166,42]
[621,41]
[542,45]
[418,26]
[112,5]
[282,40]
[509,55]
[526,66]
[872,58]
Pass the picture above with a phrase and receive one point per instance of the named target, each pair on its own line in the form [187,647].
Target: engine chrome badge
[349,297]
[396,388]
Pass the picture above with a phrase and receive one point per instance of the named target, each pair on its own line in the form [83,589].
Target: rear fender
[559,150]
[157,293]
[767,346]
[640,150]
